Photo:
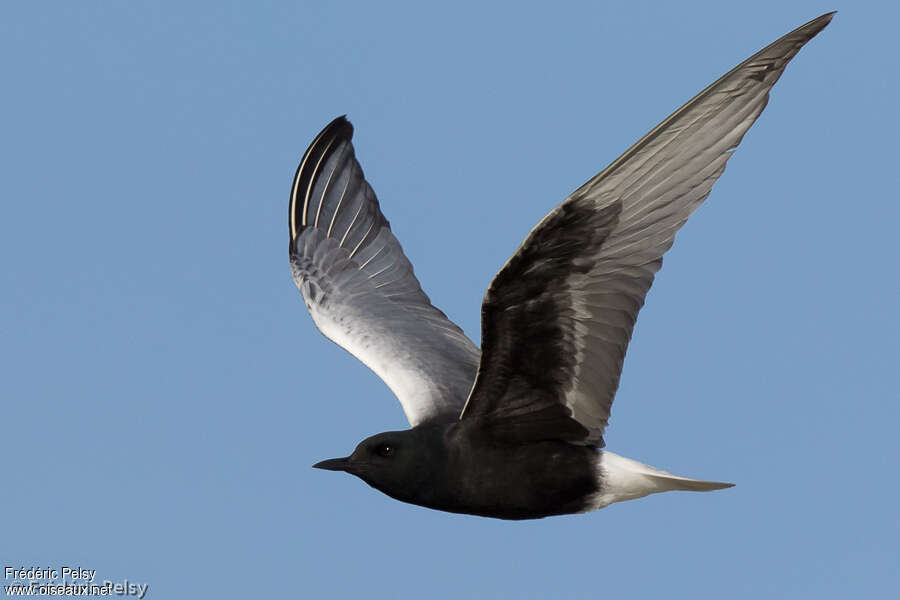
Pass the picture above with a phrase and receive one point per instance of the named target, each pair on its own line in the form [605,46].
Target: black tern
[516,431]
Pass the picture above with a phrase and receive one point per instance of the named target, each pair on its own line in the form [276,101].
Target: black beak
[334,464]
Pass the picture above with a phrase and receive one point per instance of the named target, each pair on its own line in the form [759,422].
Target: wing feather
[557,318]
[360,288]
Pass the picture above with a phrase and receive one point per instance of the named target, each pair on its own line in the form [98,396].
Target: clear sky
[165,392]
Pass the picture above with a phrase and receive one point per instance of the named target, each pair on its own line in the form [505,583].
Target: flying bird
[515,431]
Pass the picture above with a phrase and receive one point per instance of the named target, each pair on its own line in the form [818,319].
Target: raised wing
[360,288]
[557,318]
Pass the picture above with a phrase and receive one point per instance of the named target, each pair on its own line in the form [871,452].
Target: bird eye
[384,450]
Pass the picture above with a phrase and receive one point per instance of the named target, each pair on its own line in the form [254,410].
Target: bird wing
[557,318]
[360,288]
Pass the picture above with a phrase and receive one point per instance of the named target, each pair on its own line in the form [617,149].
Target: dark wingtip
[339,127]
[819,23]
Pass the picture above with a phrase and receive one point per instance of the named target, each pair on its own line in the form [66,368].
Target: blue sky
[165,392]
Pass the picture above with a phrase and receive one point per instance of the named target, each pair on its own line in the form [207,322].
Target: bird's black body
[460,467]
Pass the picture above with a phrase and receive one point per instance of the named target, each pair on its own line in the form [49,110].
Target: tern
[515,431]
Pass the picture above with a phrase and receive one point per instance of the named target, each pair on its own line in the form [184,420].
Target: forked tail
[621,479]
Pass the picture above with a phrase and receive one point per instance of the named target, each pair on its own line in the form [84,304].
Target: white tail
[625,479]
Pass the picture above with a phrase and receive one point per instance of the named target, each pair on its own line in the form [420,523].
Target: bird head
[396,462]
